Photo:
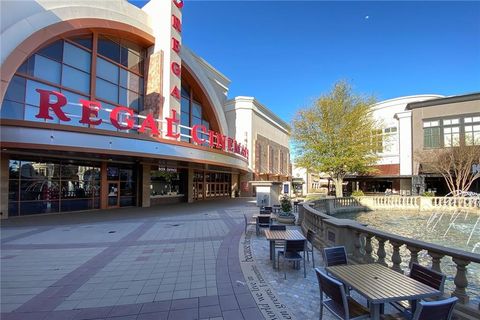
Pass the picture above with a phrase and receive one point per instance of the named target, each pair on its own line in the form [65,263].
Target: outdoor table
[380,284]
[274,235]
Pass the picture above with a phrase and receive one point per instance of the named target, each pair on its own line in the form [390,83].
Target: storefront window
[167,182]
[52,186]
[122,177]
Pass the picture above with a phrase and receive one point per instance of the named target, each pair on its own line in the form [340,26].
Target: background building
[267,137]
[442,123]
[393,146]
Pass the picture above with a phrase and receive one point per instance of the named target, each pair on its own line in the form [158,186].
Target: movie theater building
[103,107]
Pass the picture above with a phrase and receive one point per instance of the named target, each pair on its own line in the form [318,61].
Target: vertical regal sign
[167,29]
[175,60]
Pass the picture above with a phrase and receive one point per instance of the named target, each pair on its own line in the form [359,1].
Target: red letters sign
[178,3]
[90,113]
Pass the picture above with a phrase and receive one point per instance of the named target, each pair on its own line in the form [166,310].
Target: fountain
[455,229]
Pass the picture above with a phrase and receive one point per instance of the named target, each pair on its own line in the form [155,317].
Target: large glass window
[66,66]
[472,130]
[431,134]
[167,182]
[52,186]
[191,114]
[451,132]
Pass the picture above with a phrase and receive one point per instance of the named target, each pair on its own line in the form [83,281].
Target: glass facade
[451,132]
[191,114]
[211,185]
[49,186]
[66,66]
[122,185]
[52,186]
[168,182]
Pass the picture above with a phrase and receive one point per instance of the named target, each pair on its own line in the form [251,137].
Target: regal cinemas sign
[122,118]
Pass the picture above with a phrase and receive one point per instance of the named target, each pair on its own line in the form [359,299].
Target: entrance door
[113,194]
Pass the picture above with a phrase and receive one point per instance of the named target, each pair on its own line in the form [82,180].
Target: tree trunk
[338,186]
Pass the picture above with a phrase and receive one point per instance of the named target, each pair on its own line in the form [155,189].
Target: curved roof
[405,100]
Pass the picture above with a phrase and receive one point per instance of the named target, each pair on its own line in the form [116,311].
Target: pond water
[460,230]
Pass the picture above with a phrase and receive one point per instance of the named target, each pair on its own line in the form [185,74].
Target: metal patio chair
[263,222]
[426,276]
[428,310]
[334,256]
[337,302]
[291,252]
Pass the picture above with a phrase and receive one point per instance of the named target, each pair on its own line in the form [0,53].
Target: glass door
[113,194]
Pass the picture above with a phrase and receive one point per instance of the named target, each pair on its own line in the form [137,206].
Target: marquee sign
[122,118]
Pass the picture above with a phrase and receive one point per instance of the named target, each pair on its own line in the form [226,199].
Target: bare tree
[456,165]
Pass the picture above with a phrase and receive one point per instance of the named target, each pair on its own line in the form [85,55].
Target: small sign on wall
[331,236]
[286,188]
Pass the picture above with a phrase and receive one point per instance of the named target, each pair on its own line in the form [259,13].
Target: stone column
[461,281]
[413,255]
[145,190]
[436,259]
[4,174]
[235,185]
[190,185]
[396,258]
[103,186]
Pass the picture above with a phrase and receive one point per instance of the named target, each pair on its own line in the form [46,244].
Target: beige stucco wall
[455,109]
[249,119]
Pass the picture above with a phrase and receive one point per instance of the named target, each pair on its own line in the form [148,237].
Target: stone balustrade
[418,203]
[358,240]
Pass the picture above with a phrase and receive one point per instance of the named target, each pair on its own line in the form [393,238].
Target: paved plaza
[184,261]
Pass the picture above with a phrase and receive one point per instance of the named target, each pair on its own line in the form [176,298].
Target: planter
[286,219]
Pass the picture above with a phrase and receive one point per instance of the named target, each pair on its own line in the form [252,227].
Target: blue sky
[288,53]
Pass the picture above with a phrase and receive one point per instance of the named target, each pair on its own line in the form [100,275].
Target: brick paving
[171,262]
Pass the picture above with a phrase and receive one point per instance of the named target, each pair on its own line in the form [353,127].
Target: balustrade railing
[419,203]
[359,241]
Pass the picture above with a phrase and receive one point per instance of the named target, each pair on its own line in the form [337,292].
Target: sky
[287,53]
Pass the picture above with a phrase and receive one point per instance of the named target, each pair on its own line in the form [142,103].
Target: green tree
[336,135]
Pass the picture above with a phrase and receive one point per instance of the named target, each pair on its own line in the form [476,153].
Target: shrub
[428,194]
[357,193]
[286,203]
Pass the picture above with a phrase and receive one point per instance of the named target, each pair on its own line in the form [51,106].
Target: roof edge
[446,100]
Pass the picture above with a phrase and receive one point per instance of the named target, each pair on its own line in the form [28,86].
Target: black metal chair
[335,256]
[263,222]
[280,227]
[310,247]
[279,244]
[269,209]
[429,310]
[426,276]
[338,303]
[291,253]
